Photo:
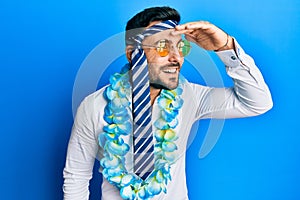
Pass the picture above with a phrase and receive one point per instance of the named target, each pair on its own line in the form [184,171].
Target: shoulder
[94,101]
[194,89]
[95,96]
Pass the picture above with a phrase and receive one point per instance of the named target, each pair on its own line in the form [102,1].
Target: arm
[82,150]
[250,95]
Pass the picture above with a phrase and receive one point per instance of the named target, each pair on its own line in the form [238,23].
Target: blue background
[42,45]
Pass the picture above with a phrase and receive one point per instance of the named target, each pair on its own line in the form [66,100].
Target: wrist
[228,45]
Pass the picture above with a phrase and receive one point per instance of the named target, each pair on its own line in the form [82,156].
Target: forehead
[162,35]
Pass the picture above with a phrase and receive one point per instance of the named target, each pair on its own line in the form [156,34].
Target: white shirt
[250,96]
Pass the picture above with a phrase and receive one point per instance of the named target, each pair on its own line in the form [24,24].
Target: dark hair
[138,22]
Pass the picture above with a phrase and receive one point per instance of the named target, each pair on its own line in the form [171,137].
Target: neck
[154,92]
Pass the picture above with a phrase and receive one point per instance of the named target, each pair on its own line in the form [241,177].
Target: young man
[138,126]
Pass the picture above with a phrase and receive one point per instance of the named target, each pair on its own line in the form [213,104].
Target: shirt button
[233,57]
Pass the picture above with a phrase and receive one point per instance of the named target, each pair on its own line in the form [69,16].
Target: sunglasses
[163,47]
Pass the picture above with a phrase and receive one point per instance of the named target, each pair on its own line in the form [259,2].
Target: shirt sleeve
[81,154]
[250,95]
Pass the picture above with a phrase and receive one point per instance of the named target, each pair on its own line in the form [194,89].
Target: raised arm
[249,96]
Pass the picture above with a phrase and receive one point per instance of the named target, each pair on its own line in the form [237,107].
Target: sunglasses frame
[164,50]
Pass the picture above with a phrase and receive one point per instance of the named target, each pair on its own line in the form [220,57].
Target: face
[163,71]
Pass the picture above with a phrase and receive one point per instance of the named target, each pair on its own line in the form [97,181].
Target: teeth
[170,70]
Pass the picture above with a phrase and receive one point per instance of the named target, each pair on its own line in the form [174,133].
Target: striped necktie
[143,141]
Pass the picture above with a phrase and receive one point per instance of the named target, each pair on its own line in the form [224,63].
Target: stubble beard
[169,83]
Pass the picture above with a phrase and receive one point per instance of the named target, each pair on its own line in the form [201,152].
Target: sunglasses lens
[162,48]
[163,52]
[184,47]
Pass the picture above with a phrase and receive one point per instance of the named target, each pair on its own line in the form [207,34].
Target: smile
[170,70]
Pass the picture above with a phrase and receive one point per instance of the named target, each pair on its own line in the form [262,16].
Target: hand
[206,35]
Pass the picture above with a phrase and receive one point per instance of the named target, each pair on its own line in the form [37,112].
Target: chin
[172,86]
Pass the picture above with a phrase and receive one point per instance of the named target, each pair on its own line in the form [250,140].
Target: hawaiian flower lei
[117,114]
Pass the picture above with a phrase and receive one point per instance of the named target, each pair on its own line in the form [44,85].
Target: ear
[129,49]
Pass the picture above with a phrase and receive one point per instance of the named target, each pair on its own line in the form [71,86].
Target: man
[138,126]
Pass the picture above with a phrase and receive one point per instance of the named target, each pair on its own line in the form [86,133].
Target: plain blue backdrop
[42,46]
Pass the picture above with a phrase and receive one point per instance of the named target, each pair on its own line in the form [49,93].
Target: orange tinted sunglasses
[163,47]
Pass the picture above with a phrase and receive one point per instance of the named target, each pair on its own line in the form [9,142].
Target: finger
[179,32]
[199,25]
[189,38]
[193,25]
[183,26]
[197,35]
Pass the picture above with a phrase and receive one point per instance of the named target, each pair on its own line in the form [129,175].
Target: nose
[174,55]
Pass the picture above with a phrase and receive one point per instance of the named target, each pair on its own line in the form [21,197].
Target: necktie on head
[143,141]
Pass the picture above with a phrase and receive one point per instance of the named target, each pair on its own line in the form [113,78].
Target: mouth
[170,70]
